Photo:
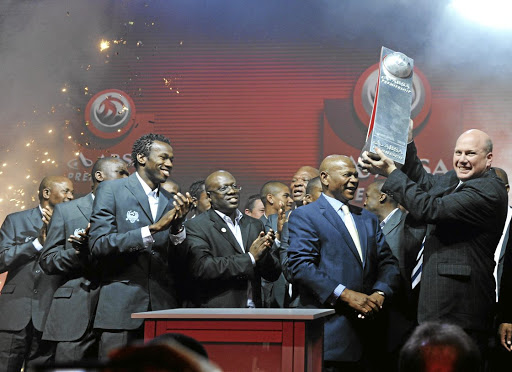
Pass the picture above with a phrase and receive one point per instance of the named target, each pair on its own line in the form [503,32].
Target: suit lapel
[245,227]
[223,229]
[84,205]
[163,201]
[133,185]
[334,219]
[36,218]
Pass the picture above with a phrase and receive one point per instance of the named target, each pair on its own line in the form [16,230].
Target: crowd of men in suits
[422,249]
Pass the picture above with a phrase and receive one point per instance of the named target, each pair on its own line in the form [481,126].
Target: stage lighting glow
[104,44]
[489,13]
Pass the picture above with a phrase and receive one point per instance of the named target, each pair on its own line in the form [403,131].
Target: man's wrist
[381,293]
[175,230]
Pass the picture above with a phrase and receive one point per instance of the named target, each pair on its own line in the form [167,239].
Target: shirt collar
[225,217]
[145,186]
[385,220]
[335,203]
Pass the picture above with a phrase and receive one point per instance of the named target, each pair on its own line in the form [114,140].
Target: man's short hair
[434,343]
[270,187]
[250,202]
[196,189]
[314,182]
[100,163]
[143,145]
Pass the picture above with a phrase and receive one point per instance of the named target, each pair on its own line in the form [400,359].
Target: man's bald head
[339,177]
[54,190]
[109,169]
[472,156]
[223,192]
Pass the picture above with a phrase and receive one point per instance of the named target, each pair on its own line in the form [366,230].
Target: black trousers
[26,346]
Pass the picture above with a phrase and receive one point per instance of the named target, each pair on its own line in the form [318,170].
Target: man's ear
[141,159]
[270,199]
[323,178]
[383,197]
[99,176]
[46,193]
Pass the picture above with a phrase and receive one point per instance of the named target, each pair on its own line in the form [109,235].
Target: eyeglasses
[224,189]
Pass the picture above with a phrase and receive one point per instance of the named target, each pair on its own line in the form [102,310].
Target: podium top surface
[223,313]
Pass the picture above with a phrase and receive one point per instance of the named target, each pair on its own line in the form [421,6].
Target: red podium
[244,340]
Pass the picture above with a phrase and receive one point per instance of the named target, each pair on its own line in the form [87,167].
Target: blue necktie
[416,272]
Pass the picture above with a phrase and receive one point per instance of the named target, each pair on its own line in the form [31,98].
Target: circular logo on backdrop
[110,114]
[365,89]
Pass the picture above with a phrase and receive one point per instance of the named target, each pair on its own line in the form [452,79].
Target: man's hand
[411,127]
[505,332]
[367,306]
[377,163]
[281,219]
[81,242]
[47,216]
[182,204]
[175,217]
[261,244]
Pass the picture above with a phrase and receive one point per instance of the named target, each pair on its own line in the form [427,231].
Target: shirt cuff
[336,294]
[179,237]
[252,259]
[147,239]
[278,243]
[36,244]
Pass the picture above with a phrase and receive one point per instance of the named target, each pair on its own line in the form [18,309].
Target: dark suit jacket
[134,278]
[74,302]
[506,238]
[505,295]
[27,292]
[276,294]
[457,282]
[404,236]
[322,255]
[219,268]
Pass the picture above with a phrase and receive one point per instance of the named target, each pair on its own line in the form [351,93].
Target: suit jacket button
[38,271]
[35,291]
[153,253]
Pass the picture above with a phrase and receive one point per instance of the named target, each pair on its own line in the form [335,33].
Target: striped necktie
[416,272]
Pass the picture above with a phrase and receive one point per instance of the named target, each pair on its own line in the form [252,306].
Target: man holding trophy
[465,210]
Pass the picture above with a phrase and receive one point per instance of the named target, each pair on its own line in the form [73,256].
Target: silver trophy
[389,123]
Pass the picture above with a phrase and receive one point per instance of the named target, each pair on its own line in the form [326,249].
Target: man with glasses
[228,252]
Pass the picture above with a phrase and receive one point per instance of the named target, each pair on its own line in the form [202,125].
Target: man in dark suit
[134,235]
[504,315]
[276,197]
[66,255]
[27,293]
[338,257]
[228,251]
[499,255]
[466,210]
[404,236]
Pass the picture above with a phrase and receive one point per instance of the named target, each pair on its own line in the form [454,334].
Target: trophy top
[398,64]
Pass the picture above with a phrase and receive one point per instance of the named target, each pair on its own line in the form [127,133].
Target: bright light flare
[490,13]
[104,44]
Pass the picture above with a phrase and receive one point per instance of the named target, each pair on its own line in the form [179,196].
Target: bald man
[465,210]
[27,293]
[66,256]
[299,182]
[338,258]
[229,252]
[272,194]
